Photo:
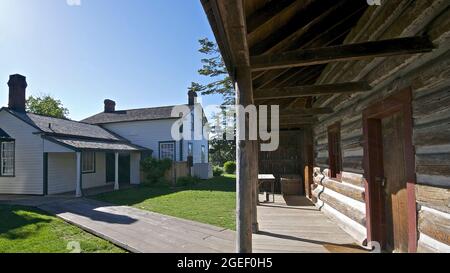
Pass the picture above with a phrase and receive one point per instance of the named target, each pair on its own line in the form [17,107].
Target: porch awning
[94,144]
[4,135]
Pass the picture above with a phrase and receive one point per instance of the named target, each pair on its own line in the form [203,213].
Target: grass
[29,230]
[212,201]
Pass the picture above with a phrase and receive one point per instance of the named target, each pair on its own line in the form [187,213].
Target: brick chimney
[110,106]
[17,85]
[192,97]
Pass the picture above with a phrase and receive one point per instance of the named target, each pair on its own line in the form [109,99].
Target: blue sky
[140,53]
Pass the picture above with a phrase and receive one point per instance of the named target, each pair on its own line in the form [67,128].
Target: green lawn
[212,201]
[29,230]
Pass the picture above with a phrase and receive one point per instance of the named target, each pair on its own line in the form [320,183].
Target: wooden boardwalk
[141,231]
[296,227]
[299,227]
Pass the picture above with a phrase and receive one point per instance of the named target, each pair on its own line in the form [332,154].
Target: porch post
[255,187]
[245,157]
[78,192]
[116,169]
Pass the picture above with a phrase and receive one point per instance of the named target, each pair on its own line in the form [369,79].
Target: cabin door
[393,183]
[389,172]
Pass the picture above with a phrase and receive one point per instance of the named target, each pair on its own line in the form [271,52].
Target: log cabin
[364,88]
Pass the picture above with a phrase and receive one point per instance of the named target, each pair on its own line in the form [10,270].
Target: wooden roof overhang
[288,44]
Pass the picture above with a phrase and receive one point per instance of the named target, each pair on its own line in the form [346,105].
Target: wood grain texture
[435,226]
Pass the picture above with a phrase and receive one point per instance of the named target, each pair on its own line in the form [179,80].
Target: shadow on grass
[139,194]
[14,219]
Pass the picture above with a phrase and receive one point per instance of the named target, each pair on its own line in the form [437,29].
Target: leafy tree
[214,68]
[46,105]
[221,148]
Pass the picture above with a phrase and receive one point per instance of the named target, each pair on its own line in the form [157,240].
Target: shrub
[217,171]
[229,167]
[155,169]
[187,181]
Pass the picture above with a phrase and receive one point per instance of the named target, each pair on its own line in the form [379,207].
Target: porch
[294,224]
[74,168]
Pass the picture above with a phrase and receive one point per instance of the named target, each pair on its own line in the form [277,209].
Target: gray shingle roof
[65,127]
[76,135]
[80,144]
[132,115]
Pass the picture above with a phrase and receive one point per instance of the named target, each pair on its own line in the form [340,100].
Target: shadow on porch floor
[294,224]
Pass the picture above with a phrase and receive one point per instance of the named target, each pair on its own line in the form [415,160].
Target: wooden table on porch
[270,178]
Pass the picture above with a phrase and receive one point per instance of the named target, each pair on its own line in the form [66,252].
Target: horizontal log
[433,197]
[434,170]
[351,164]
[311,90]
[344,189]
[423,248]
[353,178]
[431,104]
[435,225]
[306,111]
[340,206]
[315,56]
[434,134]
[433,180]
[296,120]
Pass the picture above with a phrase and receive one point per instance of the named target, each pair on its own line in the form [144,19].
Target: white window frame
[166,144]
[190,149]
[9,157]
[88,158]
[203,154]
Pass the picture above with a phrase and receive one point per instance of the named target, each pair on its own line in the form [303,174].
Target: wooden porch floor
[294,224]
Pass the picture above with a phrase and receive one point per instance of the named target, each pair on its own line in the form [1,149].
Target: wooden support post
[244,156]
[78,192]
[116,169]
[255,191]
[309,160]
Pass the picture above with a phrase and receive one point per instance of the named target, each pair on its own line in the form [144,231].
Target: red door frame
[373,165]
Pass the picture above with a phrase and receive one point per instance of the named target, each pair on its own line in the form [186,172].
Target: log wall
[429,77]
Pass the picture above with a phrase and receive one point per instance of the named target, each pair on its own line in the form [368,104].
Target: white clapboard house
[43,155]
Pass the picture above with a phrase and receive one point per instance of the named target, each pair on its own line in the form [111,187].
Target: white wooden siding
[61,172]
[97,179]
[51,147]
[135,168]
[149,133]
[28,177]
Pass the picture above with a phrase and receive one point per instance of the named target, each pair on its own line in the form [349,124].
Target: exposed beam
[311,90]
[296,121]
[313,56]
[266,13]
[306,111]
[326,37]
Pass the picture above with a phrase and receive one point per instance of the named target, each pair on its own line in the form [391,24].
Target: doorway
[390,175]
[124,168]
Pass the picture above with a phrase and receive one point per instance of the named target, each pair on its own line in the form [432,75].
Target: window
[192,121]
[334,150]
[88,162]
[203,154]
[7,158]
[190,149]
[167,150]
